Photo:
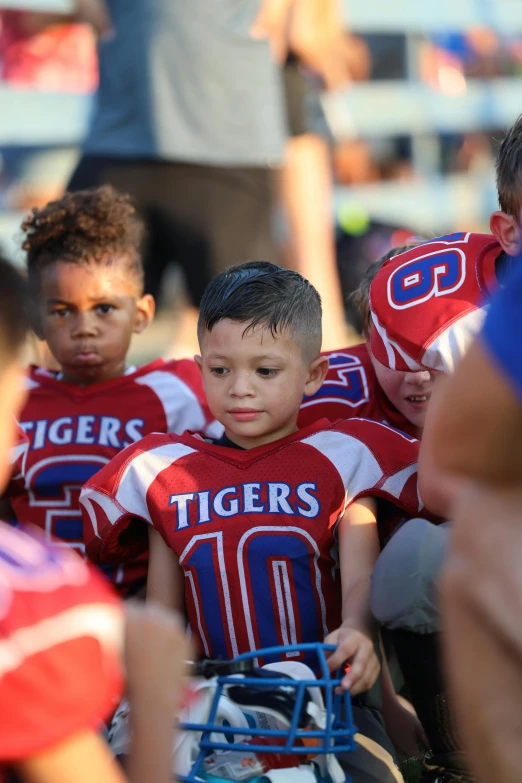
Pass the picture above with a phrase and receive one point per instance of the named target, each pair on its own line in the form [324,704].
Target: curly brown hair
[97,225]
[361,296]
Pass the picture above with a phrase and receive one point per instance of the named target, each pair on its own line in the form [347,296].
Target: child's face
[409,392]
[88,314]
[12,396]
[255,382]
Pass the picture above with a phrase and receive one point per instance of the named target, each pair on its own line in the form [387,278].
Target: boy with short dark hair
[86,276]
[259,520]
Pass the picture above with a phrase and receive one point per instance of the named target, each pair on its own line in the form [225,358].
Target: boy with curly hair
[86,276]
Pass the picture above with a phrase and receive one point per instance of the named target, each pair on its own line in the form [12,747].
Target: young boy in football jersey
[258,520]
[62,630]
[86,275]
[357,385]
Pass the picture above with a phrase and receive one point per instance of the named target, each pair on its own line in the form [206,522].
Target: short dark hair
[361,296]
[14,316]
[263,295]
[85,226]
[509,171]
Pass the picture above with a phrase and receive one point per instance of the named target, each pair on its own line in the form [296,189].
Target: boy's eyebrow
[58,300]
[262,357]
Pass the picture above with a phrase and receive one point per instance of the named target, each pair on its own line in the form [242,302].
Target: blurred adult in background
[475,439]
[191,120]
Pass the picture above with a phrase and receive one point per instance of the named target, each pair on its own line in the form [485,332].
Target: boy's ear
[199,362]
[145,308]
[316,375]
[507,231]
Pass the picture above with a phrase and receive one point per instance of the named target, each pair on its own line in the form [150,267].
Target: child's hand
[156,651]
[358,649]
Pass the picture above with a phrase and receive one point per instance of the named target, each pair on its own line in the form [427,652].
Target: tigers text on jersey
[254,530]
[351,390]
[73,431]
[428,303]
[61,634]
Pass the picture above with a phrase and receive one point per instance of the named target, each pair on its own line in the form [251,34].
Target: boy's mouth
[418,399]
[87,357]
[244,414]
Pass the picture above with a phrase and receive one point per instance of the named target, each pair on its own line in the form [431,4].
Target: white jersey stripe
[100,621]
[448,348]
[130,497]
[395,484]
[354,461]
[182,408]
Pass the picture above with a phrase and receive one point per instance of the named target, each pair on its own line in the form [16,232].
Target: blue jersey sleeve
[502,333]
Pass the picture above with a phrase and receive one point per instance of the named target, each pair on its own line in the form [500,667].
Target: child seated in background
[86,277]
[266,507]
[62,632]
[357,385]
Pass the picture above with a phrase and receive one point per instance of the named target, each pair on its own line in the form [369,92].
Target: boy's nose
[418,378]
[84,325]
[241,386]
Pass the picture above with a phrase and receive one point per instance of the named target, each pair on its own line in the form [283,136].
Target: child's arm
[79,759]
[164,582]
[358,551]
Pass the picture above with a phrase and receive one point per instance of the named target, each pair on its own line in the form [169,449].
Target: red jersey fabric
[61,634]
[73,431]
[428,303]
[255,531]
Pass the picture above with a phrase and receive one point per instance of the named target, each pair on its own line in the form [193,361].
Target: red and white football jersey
[428,303]
[351,390]
[61,634]
[254,530]
[73,431]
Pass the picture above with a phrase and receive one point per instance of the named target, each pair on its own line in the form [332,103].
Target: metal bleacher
[372,110]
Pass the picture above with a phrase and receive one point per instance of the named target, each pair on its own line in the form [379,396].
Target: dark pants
[203,218]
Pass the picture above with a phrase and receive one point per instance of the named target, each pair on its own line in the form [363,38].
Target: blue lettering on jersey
[84,430]
[267,497]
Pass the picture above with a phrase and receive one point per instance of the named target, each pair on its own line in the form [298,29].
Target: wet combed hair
[265,296]
[89,225]
[14,314]
[509,171]
[361,296]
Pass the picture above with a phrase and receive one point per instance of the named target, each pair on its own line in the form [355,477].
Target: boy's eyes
[105,309]
[264,372]
[101,309]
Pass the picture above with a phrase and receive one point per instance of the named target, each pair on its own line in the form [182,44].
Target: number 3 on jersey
[435,274]
[54,484]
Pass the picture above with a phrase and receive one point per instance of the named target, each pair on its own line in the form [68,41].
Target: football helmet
[245,722]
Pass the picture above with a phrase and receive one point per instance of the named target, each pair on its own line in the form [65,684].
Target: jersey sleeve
[61,634]
[373,460]
[428,303]
[115,501]
[503,327]
[180,389]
